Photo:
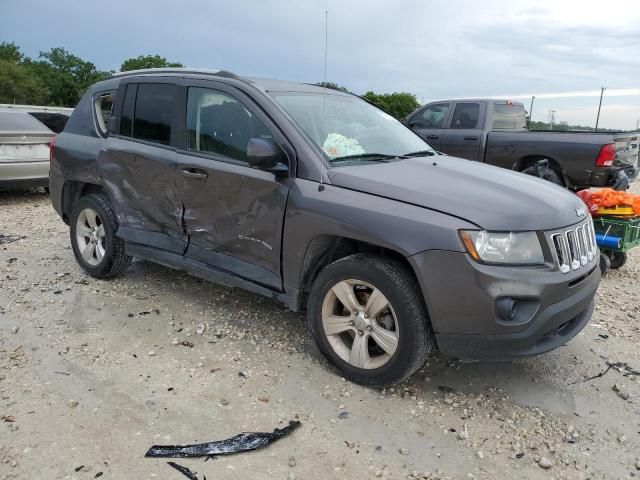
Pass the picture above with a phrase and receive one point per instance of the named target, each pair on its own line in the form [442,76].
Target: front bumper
[462,300]
[19,174]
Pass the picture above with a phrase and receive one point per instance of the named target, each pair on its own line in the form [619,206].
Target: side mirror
[266,155]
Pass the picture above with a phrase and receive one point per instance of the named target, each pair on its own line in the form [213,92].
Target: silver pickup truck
[495,132]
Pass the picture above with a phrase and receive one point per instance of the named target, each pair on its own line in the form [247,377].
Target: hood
[491,197]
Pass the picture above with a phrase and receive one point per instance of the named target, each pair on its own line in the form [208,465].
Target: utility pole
[637,124]
[600,106]
[551,118]
[531,109]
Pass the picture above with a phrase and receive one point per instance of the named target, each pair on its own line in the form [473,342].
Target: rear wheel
[368,319]
[97,249]
[548,174]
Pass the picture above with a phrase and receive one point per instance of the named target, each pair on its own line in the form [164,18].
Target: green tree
[10,52]
[65,75]
[19,85]
[147,61]
[398,104]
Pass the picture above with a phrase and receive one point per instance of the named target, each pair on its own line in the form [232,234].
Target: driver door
[429,123]
[233,213]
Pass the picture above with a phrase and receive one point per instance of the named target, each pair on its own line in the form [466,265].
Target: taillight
[51,145]
[606,155]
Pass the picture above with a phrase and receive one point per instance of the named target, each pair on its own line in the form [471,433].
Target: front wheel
[368,318]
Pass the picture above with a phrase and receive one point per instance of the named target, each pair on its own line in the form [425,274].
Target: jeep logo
[580,212]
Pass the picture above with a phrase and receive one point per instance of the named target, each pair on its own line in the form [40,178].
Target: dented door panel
[234,217]
[140,180]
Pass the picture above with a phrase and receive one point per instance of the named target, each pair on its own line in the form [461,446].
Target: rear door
[429,123]
[138,165]
[463,135]
[233,213]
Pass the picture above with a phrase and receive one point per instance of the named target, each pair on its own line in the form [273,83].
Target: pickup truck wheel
[97,249]
[549,175]
[368,318]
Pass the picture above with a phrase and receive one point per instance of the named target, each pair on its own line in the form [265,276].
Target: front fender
[338,212]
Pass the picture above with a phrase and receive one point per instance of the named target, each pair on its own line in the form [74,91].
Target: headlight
[520,248]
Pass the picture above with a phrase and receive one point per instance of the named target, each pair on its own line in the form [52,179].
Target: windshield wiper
[372,157]
[421,153]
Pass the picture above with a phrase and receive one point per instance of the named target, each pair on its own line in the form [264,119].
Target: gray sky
[433,49]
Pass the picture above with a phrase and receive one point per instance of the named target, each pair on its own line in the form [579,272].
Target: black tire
[550,175]
[415,337]
[617,259]
[605,263]
[115,260]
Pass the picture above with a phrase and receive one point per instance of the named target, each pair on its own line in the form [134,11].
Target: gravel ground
[92,373]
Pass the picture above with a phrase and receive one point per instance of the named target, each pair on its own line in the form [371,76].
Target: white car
[24,150]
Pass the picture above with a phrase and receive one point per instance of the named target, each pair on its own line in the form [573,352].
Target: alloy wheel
[90,236]
[360,324]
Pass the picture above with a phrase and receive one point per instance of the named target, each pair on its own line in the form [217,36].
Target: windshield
[348,128]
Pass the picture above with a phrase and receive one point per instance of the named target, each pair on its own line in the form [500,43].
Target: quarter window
[219,124]
[104,106]
[466,115]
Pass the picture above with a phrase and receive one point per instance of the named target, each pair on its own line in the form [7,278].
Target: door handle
[433,137]
[194,173]
[471,137]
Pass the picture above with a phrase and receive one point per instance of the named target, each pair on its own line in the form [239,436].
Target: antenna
[324,93]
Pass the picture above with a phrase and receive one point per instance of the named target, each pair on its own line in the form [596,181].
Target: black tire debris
[185,471]
[240,443]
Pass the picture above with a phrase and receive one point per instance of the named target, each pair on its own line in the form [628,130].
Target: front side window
[219,124]
[346,127]
[466,115]
[432,117]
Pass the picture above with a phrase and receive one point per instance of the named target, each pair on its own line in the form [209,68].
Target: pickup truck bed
[495,132]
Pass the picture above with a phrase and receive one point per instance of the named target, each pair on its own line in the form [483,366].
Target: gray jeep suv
[319,199]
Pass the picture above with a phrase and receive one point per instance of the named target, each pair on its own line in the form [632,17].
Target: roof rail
[206,71]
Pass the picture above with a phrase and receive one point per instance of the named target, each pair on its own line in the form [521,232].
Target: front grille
[575,247]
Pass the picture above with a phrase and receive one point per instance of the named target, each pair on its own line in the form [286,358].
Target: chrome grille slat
[575,247]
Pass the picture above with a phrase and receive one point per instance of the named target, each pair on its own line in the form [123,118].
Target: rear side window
[466,115]
[147,112]
[509,116]
[126,120]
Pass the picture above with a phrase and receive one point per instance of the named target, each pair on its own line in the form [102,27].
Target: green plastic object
[628,229]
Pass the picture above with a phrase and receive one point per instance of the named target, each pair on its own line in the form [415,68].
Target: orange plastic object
[608,197]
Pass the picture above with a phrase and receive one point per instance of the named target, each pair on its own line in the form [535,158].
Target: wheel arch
[326,249]
[74,190]
[530,160]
